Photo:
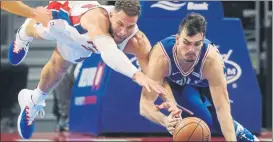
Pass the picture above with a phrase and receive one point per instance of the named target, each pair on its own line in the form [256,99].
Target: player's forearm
[149,111]
[226,122]
[18,8]
[169,97]
[143,62]
[114,57]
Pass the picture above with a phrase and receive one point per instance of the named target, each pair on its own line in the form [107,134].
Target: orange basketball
[192,129]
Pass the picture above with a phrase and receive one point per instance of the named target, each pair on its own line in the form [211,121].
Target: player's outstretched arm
[98,31]
[214,73]
[39,14]
[157,70]
[18,8]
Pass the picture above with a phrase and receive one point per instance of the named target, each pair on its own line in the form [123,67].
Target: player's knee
[59,68]
[58,64]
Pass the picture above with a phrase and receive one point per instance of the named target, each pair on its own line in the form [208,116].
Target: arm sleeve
[114,57]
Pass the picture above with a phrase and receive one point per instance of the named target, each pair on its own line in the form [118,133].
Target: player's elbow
[144,107]
[222,108]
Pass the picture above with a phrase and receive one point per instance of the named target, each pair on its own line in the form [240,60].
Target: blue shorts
[198,100]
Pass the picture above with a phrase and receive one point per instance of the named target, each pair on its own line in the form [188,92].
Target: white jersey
[77,48]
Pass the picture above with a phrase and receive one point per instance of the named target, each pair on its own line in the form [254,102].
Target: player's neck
[182,62]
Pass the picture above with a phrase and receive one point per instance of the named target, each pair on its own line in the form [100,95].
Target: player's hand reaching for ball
[174,117]
[148,83]
[171,107]
[172,120]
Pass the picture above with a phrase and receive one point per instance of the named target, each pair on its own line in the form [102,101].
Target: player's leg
[53,72]
[30,29]
[190,98]
[242,134]
[62,93]
[32,101]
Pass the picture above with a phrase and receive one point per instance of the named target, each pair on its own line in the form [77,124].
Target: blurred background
[256,21]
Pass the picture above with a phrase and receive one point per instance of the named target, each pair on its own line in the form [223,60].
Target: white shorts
[73,53]
[71,47]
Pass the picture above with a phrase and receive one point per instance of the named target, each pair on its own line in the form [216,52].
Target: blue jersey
[176,74]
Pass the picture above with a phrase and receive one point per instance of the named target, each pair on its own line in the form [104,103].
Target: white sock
[38,96]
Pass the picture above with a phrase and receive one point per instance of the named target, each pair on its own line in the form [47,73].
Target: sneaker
[243,134]
[29,110]
[18,48]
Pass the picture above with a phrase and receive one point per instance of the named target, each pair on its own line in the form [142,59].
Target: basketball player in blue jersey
[80,29]
[192,69]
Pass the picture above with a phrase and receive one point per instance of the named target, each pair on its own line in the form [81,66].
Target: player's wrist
[165,122]
[33,13]
[136,74]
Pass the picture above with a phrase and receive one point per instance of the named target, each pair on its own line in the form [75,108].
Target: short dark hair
[130,7]
[194,23]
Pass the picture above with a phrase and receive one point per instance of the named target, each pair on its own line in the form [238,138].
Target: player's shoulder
[213,56]
[212,49]
[95,16]
[169,39]
[168,42]
[158,53]
[137,38]
[159,59]
[98,13]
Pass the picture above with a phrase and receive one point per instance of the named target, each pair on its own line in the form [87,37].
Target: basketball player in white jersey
[80,29]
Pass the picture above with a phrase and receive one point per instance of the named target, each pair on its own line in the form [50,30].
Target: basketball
[192,129]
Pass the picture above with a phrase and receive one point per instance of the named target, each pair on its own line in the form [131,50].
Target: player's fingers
[155,88]
[162,90]
[176,112]
[172,124]
[174,120]
[171,109]
[147,88]
[158,88]
[159,107]
[164,105]
[179,115]
[171,130]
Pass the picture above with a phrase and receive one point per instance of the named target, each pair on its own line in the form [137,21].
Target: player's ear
[204,36]
[177,38]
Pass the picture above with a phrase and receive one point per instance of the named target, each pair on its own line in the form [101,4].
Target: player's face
[189,46]
[122,25]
